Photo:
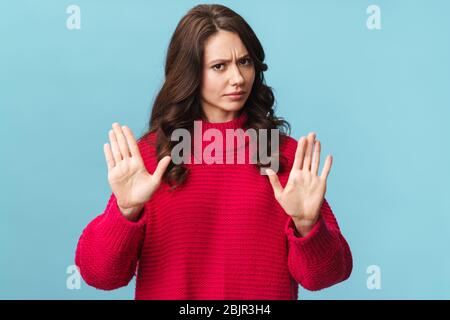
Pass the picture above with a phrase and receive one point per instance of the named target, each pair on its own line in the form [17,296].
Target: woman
[198,230]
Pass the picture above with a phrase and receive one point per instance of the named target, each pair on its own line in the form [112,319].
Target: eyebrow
[225,60]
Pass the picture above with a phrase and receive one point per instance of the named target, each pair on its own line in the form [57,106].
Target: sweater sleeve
[109,247]
[322,258]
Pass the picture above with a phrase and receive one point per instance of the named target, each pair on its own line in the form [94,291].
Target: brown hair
[177,104]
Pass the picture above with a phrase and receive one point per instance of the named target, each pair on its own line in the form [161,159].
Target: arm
[322,258]
[108,249]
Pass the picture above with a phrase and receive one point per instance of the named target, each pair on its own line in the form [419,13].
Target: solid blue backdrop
[378,100]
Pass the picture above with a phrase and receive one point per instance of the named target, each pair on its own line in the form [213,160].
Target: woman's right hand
[130,181]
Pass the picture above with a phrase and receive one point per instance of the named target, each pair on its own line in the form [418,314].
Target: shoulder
[147,148]
[288,146]
[147,141]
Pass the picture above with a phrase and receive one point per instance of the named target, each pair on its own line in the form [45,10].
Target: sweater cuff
[121,233]
[318,243]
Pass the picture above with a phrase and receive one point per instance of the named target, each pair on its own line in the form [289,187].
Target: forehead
[224,44]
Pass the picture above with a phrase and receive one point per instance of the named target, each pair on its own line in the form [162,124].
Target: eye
[249,61]
[214,66]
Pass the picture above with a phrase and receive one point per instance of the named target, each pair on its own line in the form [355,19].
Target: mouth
[235,97]
[238,93]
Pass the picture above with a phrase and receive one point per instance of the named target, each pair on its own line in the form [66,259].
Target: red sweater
[221,235]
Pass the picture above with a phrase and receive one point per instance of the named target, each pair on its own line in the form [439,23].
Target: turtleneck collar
[201,143]
[236,123]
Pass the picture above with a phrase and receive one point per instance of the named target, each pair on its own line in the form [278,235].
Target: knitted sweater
[221,235]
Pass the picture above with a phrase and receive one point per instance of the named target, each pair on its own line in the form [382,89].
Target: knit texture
[221,235]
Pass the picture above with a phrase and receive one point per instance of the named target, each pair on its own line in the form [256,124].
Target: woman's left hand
[304,192]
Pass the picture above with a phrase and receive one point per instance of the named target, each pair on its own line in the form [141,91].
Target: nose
[236,77]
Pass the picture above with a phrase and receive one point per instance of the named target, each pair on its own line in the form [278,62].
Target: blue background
[378,100]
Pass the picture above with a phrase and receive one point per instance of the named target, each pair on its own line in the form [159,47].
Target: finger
[327,167]
[316,158]
[309,150]
[114,147]
[299,153]
[123,145]
[161,167]
[131,140]
[275,182]
[108,156]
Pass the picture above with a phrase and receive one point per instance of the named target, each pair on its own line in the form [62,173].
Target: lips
[235,93]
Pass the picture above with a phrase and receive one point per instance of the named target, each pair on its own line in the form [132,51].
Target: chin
[233,106]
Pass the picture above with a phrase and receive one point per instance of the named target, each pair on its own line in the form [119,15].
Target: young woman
[202,230]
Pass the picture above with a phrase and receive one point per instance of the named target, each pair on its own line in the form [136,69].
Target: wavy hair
[177,104]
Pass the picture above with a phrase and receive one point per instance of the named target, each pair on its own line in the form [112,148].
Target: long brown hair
[177,104]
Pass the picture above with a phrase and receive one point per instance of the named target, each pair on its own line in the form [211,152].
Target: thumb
[161,168]
[275,182]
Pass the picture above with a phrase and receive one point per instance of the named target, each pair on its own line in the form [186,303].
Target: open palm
[304,192]
[130,181]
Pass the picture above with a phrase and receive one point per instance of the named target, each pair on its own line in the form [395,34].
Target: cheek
[253,75]
[211,84]
[250,77]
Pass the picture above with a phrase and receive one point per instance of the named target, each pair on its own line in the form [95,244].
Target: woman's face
[227,68]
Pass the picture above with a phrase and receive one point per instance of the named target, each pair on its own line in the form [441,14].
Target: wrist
[303,227]
[131,213]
